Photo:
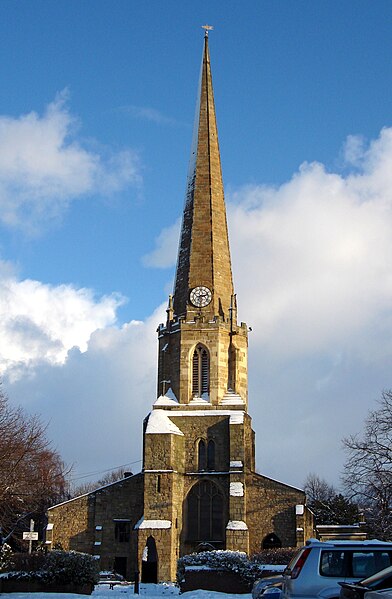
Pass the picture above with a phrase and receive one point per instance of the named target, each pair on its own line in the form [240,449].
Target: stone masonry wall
[271,509]
[72,523]
[121,501]
[87,523]
[176,346]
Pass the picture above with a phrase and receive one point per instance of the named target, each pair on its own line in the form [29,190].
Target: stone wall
[71,525]
[271,509]
[177,342]
[88,524]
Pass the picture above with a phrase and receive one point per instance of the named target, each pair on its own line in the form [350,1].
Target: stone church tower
[198,488]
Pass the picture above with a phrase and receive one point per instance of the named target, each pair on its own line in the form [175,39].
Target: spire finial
[207,28]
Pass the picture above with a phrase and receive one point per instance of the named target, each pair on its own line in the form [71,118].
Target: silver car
[318,567]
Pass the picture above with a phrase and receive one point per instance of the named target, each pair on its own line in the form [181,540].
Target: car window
[333,563]
[355,564]
[365,564]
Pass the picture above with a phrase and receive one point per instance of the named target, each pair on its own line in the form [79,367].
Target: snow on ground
[125,591]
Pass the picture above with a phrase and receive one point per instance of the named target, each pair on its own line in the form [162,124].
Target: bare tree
[328,505]
[317,489]
[368,469]
[32,475]
[111,477]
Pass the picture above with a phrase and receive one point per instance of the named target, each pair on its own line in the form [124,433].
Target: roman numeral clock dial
[200,296]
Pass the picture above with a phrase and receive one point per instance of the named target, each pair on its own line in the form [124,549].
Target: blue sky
[96,115]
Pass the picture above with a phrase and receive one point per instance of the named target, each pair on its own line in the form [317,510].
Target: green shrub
[281,556]
[6,561]
[57,567]
[231,561]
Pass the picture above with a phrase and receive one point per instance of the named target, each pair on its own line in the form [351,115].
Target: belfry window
[200,372]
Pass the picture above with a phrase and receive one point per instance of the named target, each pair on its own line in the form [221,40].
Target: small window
[202,459]
[122,531]
[211,455]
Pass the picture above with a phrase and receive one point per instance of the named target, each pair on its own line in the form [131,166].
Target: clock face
[200,296]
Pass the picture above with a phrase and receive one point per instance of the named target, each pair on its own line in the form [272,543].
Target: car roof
[367,543]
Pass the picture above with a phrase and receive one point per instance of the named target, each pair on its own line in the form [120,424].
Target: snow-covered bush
[70,566]
[59,567]
[279,555]
[231,561]
[6,562]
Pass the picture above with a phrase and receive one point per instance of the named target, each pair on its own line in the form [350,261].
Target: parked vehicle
[383,594]
[260,585]
[318,567]
[357,590]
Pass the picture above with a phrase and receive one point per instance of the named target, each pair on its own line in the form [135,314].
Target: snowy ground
[103,591]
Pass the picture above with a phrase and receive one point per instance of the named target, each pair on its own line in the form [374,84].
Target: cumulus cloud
[96,400]
[41,323]
[312,263]
[320,247]
[44,166]
[166,245]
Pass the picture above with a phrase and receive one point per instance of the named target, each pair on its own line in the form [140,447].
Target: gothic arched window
[211,455]
[202,461]
[200,371]
[205,518]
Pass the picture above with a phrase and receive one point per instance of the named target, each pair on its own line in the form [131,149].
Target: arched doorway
[150,562]
[271,541]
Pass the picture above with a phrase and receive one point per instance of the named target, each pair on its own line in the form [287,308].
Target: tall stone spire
[204,254]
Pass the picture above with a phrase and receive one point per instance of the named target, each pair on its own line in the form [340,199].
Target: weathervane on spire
[207,28]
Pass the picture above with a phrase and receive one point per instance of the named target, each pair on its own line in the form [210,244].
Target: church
[198,488]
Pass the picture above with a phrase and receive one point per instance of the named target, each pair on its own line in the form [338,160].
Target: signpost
[30,536]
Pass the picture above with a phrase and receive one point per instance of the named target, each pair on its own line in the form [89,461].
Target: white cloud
[320,256]
[313,271]
[44,166]
[166,243]
[41,323]
[96,401]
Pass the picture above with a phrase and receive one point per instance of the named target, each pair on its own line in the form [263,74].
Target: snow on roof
[152,523]
[236,489]
[116,482]
[159,422]
[232,398]
[205,398]
[200,567]
[236,416]
[236,464]
[236,525]
[168,399]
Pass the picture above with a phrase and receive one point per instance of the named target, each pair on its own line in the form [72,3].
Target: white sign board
[30,536]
